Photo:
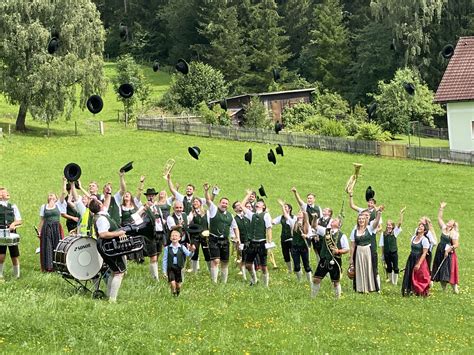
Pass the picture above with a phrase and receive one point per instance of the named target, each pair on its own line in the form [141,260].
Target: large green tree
[326,57]
[42,83]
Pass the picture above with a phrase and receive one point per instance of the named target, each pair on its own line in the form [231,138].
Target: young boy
[174,258]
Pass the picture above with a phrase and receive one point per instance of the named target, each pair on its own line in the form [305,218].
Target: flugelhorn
[167,169]
[352,180]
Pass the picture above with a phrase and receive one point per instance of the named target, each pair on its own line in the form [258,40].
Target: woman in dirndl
[364,253]
[51,231]
[417,273]
[445,264]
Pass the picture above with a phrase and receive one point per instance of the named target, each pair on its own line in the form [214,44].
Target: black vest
[181,258]
[7,216]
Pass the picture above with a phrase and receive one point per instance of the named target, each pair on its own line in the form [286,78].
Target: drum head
[82,259]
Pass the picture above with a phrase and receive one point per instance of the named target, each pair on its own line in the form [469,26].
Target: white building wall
[461,125]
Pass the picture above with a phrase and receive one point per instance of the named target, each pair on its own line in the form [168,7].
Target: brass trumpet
[168,166]
[353,179]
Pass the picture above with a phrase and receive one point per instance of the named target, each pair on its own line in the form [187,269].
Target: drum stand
[92,285]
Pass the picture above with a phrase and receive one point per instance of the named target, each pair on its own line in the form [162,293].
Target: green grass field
[44,314]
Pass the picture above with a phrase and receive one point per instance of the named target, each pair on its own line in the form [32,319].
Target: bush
[331,105]
[256,115]
[372,132]
[314,124]
[297,114]
[333,128]
[216,115]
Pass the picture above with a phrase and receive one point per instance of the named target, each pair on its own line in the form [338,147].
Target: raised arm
[123,185]
[207,196]
[376,221]
[74,191]
[297,196]
[107,196]
[283,210]
[64,190]
[140,187]
[245,200]
[170,185]
[442,205]
[352,204]
[400,220]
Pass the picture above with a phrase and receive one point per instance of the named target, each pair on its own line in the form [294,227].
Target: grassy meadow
[44,314]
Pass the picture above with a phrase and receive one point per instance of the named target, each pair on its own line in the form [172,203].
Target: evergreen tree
[225,51]
[327,56]
[265,43]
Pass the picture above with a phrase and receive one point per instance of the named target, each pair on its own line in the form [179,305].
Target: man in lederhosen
[107,228]
[243,223]
[333,245]
[9,219]
[313,211]
[260,233]
[220,223]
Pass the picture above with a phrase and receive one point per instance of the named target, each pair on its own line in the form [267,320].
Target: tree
[326,57]
[266,44]
[202,83]
[226,51]
[396,108]
[410,21]
[43,83]
[255,114]
[128,72]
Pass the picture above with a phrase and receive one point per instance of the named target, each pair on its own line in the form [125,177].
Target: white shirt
[266,218]
[424,242]
[431,238]
[277,220]
[59,205]
[396,232]
[354,231]
[180,197]
[170,220]
[102,223]
[344,242]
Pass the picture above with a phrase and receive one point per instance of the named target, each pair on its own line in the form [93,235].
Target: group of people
[182,225]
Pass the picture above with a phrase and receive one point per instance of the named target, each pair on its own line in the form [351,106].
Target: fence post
[101,127]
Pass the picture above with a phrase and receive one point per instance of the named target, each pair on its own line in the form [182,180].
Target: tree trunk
[20,119]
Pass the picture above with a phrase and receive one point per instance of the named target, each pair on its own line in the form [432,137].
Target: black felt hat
[72,172]
[53,45]
[448,51]
[127,167]
[278,127]
[279,150]
[126,90]
[194,151]
[223,104]
[409,88]
[123,31]
[369,193]
[54,32]
[248,156]
[182,66]
[156,66]
[95,104]
[261,191]
[150,191]
[372,110]
[271,157]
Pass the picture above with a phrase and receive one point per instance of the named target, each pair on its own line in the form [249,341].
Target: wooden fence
[298,139]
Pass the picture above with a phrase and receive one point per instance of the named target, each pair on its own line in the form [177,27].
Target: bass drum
[77,257]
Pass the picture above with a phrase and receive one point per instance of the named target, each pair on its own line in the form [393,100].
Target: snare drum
[78,257]
[8,238]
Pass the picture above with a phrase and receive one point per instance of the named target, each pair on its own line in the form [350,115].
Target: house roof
[457,83]
[267,94]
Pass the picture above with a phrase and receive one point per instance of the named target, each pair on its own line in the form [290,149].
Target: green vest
[336,238]
[7,216]
[200,220]
[363,240]
[184,216]
[187,206]
[257,227]
[373,214]
[127,215]
[244,228]
[181,258]
[311,210]
[285,230]
[298,240]
[220,224]
[114,226]
[389,243]
[114,210]
[52,215]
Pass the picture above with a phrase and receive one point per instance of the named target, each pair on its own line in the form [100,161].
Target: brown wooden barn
[274,102]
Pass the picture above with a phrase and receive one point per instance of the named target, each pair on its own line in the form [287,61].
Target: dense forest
[345,46]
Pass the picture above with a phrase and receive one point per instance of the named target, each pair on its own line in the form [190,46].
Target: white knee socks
[154,270]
